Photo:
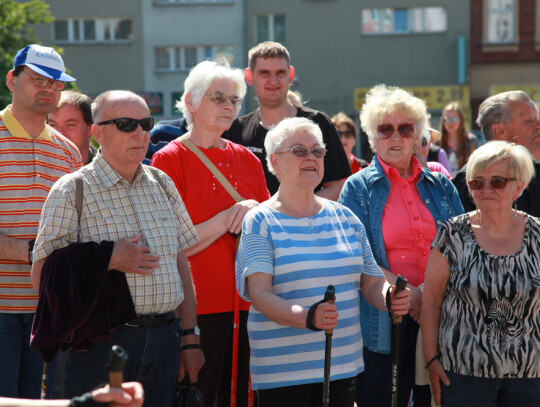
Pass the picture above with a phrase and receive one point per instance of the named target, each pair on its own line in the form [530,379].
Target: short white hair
[200,79]
[285,129]
[382,101]
[519,159]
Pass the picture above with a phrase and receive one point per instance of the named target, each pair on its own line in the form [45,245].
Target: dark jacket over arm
[79,300]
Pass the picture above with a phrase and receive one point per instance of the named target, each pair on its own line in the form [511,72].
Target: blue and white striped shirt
[304,256]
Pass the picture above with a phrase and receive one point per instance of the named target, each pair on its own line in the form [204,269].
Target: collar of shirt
[391,172]
[15,128]
[107,173]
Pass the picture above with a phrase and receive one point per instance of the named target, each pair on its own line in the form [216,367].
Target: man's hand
[129,257]
[131,395]
[190,361]
[236,215]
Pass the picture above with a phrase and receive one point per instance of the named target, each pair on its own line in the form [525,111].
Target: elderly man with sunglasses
[32,157]
[401,206]
[140,228]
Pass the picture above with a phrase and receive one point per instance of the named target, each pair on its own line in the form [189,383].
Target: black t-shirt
[248,132]
[528,201]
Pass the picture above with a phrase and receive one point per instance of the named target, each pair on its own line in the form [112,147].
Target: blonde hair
[382,101]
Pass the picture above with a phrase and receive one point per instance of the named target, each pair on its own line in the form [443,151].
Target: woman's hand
[236,213]
[131,394]
[436,376]
[400,302]
[325,316]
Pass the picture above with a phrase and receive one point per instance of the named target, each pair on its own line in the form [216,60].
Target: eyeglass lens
[495,182]
[405,130]
[45,83]
[219,98]
[302,151]
[454,119]
[127,125]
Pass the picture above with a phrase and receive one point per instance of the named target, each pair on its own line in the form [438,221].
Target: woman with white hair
[481,308]
[401,206]
[293,246]
[212,97]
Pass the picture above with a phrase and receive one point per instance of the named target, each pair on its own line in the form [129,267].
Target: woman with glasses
[401,206]
[347,133]
[293,246]
[481,308]
[455,139]
[212,97]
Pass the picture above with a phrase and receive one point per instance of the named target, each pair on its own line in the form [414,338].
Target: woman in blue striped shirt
[293,246]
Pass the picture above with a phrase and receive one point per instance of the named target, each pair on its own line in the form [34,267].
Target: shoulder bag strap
[156,175]
[213,169]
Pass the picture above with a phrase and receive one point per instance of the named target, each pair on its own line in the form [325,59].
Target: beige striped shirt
[114,209]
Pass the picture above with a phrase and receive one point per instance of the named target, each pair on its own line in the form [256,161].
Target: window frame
[500,47]
[411,14]
[101,24]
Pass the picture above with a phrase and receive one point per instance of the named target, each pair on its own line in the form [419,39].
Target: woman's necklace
[303,218]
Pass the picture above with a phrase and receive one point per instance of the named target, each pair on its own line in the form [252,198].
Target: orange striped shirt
[28,169]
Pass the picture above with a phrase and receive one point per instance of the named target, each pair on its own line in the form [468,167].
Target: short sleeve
[255,255]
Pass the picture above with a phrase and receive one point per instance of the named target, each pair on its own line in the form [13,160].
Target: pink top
[407,225]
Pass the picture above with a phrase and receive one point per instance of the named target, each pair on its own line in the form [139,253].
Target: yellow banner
[436,97]
[532,90]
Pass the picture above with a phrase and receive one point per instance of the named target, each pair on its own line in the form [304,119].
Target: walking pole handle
[330,297]
[401,283]
[117,360]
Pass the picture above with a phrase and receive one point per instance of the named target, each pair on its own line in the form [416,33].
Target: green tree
[16,20]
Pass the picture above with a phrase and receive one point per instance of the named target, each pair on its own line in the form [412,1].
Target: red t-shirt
[213,268]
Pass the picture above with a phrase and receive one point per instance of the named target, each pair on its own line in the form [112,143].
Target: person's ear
[500,131]
[519,190]
[97,133]
[248,74]
[10,80]
[275,165]
[189,103]
[291,73]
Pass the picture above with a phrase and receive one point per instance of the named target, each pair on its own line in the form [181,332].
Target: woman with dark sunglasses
[212,98]
[481,308]
[455,139]
[401,204]
[293,246]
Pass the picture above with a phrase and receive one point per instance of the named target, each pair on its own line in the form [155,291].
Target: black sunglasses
[495,182]
[127,125]
[301,151]
[405,130]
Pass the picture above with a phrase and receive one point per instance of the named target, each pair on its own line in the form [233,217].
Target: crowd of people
[204,245]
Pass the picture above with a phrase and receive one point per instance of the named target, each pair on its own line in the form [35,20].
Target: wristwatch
[192,331]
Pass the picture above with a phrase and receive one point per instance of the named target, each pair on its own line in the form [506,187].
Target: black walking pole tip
[117,359]
[330,294]
[401,283]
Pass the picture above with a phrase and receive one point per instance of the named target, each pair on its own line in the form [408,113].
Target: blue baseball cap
[44,61]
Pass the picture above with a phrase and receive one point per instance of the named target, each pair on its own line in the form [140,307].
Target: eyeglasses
[405,130]
[454,119]
[302,152]
[346,133]
[46,83]
[128,125]
[219,98]
[495,182]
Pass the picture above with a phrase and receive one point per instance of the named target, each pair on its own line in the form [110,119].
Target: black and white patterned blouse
[490,317]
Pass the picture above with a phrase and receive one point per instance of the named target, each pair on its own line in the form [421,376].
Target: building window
[177,58]
[500,17]
[404,20]
[77,30]
[270,27]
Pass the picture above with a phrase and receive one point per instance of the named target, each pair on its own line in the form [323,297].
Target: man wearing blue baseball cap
[32,157]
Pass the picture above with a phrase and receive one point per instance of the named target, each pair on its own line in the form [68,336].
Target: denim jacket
[366,193]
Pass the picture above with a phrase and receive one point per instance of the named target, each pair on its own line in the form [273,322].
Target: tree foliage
[16,20]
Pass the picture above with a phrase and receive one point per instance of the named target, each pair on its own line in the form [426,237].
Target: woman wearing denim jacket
[401,206]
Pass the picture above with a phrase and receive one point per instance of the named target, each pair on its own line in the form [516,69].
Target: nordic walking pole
[44,382]
[329,297]
[401,283]
[117,360]
[236,334]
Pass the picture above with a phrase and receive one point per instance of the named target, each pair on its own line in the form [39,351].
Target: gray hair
[382,101]
[101,99]
[520,162]
[496,109]
[285,129]
[200,79]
